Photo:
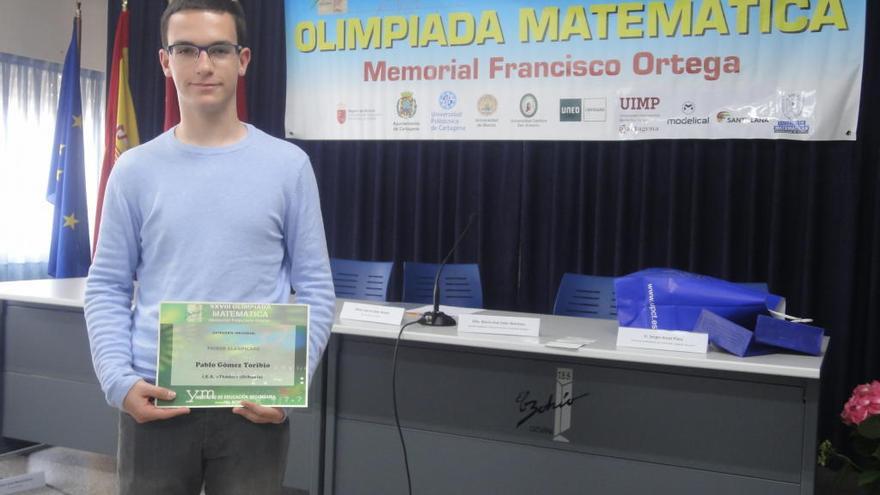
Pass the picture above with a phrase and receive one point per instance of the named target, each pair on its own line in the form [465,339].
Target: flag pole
[78,17]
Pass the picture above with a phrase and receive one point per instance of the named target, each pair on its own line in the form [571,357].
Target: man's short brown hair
[228,6]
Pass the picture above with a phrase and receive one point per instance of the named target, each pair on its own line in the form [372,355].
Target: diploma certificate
[219,354]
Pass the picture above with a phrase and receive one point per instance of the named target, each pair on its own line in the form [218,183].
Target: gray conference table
[49,392]
[480,412]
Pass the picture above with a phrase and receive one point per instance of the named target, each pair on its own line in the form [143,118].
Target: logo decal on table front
[562,421]
[562,407]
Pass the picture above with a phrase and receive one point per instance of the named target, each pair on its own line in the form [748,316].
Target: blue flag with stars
[70,255]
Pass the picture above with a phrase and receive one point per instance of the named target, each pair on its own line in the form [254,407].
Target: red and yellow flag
[120,125]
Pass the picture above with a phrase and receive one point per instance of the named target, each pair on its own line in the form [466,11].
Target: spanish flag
[120,126]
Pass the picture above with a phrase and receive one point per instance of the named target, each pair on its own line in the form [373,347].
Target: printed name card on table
[663,340]
[500,325]
[373,313]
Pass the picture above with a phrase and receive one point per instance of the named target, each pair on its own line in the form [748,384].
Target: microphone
[437,318]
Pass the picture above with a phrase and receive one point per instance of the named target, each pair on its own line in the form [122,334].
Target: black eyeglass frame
[170,48]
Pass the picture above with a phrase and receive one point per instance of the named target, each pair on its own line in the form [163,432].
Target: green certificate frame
[217,354]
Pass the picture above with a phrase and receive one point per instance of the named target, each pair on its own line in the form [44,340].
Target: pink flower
[864,403]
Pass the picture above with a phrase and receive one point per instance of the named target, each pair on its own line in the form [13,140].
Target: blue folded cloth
[789,335]
[729,336]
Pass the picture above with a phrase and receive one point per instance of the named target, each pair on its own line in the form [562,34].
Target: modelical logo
[570,109]
[487,105]
[688,108]
[341,113]
[689,120]
[792,105]
[637,103]
[406,105]
[528,105]
[447,100]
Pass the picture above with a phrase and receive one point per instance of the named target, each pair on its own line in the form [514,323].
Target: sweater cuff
[117,392]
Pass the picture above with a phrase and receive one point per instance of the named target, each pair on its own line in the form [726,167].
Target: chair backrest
[459,284]
[587,296]
[355,279]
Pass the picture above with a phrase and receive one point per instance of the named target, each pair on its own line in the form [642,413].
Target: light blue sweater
[240,223]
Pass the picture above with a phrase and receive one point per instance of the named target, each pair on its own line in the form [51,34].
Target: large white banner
[588,70]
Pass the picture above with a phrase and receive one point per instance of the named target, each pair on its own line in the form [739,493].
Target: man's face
[204,82]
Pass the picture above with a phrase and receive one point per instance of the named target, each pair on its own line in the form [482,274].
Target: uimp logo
[639,103]
[200,394]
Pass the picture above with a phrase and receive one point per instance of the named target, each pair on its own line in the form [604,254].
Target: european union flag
[70,255]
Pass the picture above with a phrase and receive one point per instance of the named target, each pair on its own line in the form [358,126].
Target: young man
[211,210]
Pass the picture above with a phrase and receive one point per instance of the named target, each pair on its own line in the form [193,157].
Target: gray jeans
[212,447]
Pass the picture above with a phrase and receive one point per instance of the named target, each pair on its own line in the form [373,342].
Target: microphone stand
[437,318]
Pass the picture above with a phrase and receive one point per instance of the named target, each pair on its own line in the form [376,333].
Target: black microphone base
[437,319]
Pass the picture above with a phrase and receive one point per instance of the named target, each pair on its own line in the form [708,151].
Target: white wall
[41,29]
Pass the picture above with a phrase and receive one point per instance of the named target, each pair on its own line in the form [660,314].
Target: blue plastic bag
[667,299]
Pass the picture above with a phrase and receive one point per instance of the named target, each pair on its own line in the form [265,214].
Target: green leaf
[864,447]
[868,477]
[870,428]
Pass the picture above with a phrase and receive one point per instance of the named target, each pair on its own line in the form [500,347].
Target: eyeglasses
[218,52]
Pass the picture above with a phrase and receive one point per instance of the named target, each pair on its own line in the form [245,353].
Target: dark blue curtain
[803,216]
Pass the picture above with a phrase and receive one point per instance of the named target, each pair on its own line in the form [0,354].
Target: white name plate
[372,313]
[664,340]
[501,325]
[21,483]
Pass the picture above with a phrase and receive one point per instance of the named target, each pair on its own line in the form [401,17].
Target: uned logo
[570,110]
[200,394]
[639,102]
